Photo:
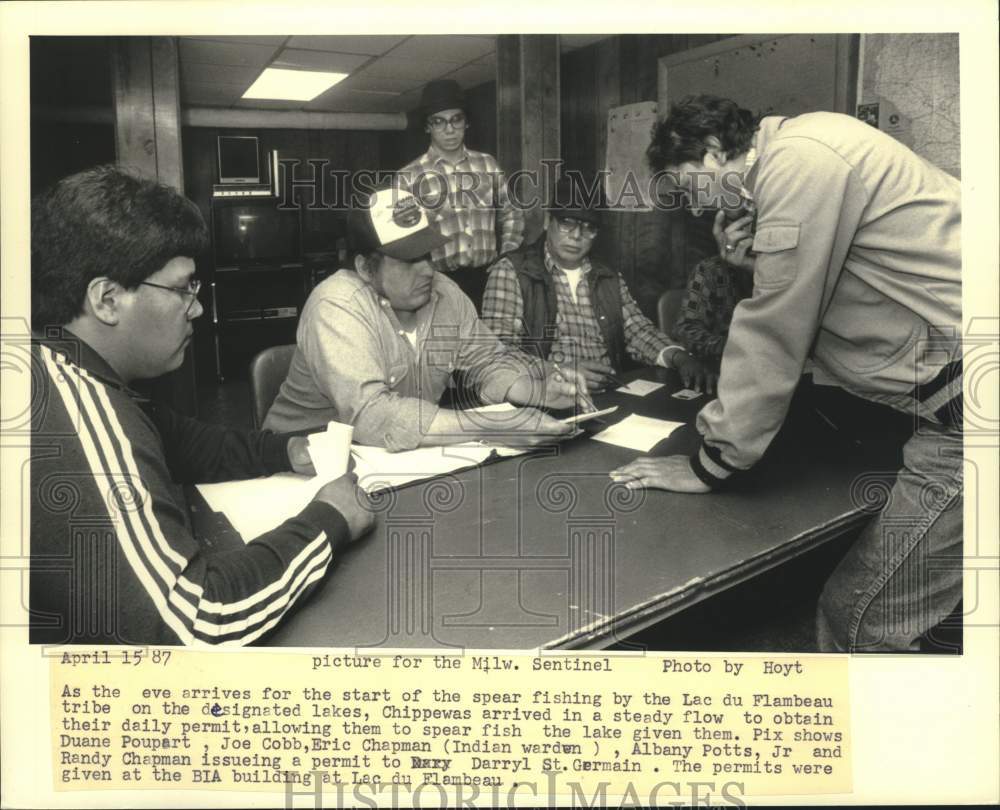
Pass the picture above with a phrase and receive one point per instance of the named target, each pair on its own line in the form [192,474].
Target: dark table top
[544,550]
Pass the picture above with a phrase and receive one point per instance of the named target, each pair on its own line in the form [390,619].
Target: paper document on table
[637,432]
[639,388]
[379,469]
[258,505]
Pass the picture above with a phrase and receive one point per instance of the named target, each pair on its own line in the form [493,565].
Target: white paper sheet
[257,505]
[260,504]
[639,388]
[637,432]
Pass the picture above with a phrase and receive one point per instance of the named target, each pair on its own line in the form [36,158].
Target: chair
[668,308]
[268,370]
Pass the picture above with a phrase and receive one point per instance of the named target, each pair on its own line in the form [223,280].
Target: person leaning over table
[858,271]
[465,192]
[553,298]
[113,559]
[378,343]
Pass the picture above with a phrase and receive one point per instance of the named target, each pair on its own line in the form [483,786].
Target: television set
[239,159]
[249,232]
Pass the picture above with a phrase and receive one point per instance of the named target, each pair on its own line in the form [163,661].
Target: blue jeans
[903,574]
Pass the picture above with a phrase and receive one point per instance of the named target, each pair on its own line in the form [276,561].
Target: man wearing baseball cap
[553,299]
[465,191]
[377,345]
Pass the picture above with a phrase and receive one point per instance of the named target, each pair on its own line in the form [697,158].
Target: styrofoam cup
[330,450]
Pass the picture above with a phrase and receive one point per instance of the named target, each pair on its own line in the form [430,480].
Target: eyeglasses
[438,124]
[193,288]
[567,225]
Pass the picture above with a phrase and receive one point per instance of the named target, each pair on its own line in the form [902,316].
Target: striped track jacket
[113,559]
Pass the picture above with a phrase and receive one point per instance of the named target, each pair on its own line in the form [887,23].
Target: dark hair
[104,222]
[680,137]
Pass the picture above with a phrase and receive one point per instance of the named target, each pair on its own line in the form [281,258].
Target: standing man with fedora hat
[464,191]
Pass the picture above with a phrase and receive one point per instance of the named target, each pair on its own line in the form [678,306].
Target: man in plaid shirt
[713,291]
[552,299]
[464,191]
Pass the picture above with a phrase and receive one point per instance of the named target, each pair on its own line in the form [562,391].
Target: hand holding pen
[566,387]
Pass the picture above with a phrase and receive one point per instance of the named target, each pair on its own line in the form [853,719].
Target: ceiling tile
[212,52]
[381,84]
[459,49]
[320,60]
[212,95]
[371,45]
[355,102]
[474,74]
[418,70]
[219,74]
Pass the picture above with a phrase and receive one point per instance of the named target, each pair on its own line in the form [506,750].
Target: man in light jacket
[857,272]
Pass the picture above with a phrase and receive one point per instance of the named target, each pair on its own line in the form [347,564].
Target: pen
[583,395]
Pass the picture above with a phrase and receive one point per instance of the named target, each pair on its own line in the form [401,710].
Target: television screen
[238,159]
[249,233]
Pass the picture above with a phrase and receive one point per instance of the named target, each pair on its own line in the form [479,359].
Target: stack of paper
[258,505]
[379,469]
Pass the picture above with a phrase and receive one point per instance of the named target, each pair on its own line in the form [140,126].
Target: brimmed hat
[392,222]
[441,94]
[573,198]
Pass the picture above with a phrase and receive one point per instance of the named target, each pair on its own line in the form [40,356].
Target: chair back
[268,370]
[668,308]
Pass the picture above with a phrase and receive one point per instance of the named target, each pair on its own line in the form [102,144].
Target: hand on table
[694,373]
[734,240]
[595,373]
[673,473]
[344,495]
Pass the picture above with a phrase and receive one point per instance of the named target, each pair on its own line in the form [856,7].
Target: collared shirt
[578,337]
[713,291]
[354,364]
[465,200]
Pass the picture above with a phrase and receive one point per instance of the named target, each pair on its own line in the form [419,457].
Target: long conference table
[544,550]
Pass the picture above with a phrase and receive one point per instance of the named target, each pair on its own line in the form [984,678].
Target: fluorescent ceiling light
[292,85]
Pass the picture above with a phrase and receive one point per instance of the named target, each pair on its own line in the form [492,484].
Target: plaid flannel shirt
[713,291]
[465,200]
[578,336]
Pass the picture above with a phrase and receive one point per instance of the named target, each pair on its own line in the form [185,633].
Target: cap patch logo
[406,213]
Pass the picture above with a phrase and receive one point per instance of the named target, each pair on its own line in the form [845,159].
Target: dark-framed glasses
[438,124]
[192,289]
[568,224]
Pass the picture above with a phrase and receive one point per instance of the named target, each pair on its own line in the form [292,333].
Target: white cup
[331,450]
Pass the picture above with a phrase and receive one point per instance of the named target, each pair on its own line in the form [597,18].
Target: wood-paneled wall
[654,251]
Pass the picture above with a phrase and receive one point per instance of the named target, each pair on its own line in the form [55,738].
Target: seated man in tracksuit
[857,275]
[553,299]
[113,558]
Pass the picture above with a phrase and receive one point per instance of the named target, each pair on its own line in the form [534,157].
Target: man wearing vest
[552,299]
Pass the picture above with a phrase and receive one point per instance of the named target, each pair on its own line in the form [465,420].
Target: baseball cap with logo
[392,222]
